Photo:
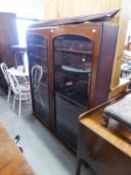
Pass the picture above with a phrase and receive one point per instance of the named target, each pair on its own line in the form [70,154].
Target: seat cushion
[120,111]
[23,88]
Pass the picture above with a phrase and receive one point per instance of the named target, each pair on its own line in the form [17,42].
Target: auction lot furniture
[18,53]
[105,149]
[77,60]
[8,37]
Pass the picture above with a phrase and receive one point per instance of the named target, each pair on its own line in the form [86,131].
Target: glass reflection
[37,52]
[73,60]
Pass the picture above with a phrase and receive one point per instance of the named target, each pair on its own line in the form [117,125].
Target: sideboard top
[98,17]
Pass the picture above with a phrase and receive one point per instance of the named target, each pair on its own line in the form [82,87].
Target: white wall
[24,8]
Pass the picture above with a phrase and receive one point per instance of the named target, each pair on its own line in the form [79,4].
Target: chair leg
[9,94]
[19,105]
[26,98]
[78,167]
[14,103]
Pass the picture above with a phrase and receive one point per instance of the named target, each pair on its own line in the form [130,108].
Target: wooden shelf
[76,79]
[37,45]
[44,85]
[37,57]
[71,100]
[75,51]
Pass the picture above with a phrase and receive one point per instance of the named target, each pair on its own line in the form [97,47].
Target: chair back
[4,69]
[13,83]
[36,74]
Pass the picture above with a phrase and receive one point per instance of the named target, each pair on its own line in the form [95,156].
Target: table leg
[15,58]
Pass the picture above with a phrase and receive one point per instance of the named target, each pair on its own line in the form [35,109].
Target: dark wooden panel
[8,37]
[106,59]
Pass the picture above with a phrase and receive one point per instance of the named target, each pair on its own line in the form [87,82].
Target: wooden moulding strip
[119,90]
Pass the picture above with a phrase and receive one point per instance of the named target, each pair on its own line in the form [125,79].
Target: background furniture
[129,43]
[77,64]
[4,69]
[11,159]
[21,91]
[105,150]
[19,71]
[8,37]
[18,53]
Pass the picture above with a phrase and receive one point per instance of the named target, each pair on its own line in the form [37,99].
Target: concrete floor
[44,152]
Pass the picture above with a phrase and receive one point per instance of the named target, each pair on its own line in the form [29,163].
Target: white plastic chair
[4,69]
[21,92]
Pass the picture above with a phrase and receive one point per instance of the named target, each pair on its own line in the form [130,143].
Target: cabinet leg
[78,167]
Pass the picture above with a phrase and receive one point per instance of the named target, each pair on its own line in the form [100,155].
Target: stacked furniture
[77,59]
[8,37]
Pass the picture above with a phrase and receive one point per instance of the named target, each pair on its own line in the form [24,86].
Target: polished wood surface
[115,134]
[105,150]
[120,89]
[12,161]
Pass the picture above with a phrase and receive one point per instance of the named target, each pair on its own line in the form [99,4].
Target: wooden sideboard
[12,162]
[105,150]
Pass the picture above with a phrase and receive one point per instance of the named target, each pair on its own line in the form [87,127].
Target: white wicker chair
[4,69]
[21,91]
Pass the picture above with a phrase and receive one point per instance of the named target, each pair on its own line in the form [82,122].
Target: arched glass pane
[72,74]
[37,53]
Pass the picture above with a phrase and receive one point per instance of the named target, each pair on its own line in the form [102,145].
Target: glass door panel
[37,53]
[72,67]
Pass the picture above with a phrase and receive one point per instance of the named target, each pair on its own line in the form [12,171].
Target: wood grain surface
[105,149]
[12,161]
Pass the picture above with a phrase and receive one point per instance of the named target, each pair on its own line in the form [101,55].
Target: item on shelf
[72,69]
[120,111]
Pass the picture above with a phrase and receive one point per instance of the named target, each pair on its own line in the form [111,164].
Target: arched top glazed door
[73,64]
[38,66]
[72,55]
